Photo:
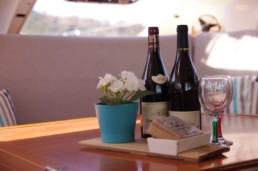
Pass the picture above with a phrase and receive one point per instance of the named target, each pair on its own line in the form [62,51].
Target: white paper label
[151,111]
[192,117]
[159,79]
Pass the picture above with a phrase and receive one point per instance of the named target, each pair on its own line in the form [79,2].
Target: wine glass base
[214,143]
[224,142]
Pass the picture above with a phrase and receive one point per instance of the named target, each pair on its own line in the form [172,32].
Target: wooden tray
[140,147]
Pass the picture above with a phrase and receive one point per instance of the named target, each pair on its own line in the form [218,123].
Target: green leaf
[109,101]
[105,100]
[140,94]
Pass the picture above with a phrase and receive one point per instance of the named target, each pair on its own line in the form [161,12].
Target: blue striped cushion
[7,117]
[245,95]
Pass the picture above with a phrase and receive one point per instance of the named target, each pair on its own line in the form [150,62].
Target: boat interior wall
[55,78]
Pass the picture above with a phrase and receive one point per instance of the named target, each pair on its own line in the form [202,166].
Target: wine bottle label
[151,111]
[192,117]
[159,79]
[153,41]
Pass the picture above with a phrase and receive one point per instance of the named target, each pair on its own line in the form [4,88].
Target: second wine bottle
[156,80]
[183,86]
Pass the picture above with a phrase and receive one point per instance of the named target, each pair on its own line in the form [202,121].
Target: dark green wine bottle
[183,84]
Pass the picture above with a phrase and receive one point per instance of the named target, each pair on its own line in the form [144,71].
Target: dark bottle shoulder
[183,58]
[183,83]
[183,68]
[184,77]
[154,63]
[154,69]
[183,71]
[155,58]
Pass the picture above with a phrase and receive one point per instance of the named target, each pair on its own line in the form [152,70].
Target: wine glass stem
[219,126]
[214,120]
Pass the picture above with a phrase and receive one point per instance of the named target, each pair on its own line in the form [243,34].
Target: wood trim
[47,128]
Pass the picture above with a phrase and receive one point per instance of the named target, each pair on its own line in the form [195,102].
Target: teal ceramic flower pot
[117,122]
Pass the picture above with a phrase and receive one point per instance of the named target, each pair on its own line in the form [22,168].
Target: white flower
[108,78]
[127,75]
[131,81]
[124,89]
[132,84]
[116,86]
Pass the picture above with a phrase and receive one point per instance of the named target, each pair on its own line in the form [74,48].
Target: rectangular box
[173,147]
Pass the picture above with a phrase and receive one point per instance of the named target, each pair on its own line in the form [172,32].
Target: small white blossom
[131,80]
[116,86]
[132,84]
[127,75]
[108,78]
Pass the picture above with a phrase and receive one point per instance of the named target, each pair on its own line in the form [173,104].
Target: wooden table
[55,144]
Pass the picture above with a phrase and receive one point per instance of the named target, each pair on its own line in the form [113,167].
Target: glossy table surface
[55,145]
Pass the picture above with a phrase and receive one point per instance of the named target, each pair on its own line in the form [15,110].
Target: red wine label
[151,111]
[192,117]
[159,79]
[153,41]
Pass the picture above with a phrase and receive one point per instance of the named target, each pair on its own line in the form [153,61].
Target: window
[62,17]
[66,18]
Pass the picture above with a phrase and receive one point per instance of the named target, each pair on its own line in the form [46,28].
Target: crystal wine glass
[214,96]
[221,139]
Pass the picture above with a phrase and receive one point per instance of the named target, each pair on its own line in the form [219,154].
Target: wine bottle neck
[182,40]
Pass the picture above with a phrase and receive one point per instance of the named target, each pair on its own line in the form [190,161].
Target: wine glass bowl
[215,94]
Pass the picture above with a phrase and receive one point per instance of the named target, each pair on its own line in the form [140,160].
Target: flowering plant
[124,89]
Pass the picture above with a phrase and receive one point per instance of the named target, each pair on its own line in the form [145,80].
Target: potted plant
[118,108]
